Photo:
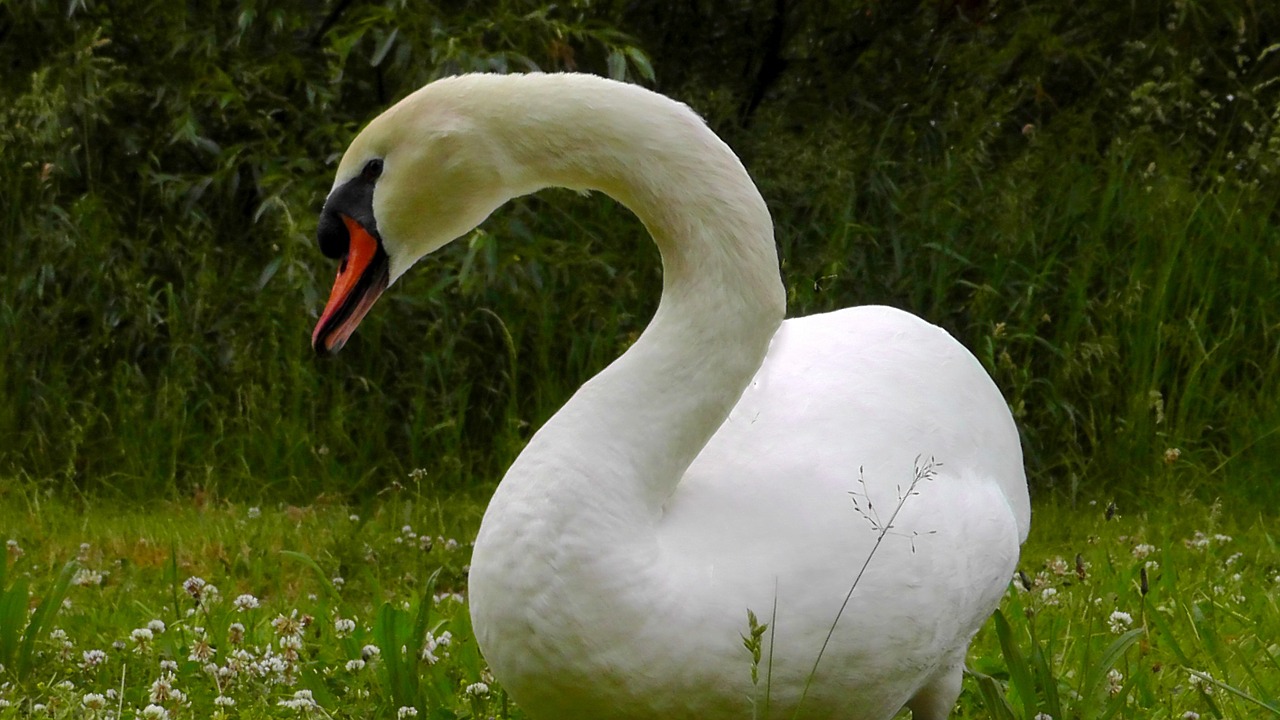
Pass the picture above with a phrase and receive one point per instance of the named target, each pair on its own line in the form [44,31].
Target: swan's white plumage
[708,471]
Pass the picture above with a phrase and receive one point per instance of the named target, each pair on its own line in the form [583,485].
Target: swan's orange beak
[362,277]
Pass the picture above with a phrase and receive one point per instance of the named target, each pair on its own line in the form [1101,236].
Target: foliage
[1079,192]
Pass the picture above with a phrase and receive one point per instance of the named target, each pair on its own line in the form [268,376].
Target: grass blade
[998,707]
[1020,676]
[43,614]
[1098,670]
[323,577]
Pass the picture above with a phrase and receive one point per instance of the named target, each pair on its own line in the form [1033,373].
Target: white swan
[714,467]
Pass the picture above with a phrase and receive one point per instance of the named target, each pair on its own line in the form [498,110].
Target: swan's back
[851,406]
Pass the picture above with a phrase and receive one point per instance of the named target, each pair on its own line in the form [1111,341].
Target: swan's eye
[372,169]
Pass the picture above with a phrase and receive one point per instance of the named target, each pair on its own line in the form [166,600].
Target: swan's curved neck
[628,435]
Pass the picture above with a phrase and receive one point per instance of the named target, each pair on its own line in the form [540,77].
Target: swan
[854,478]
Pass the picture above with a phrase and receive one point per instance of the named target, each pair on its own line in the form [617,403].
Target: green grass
[1208,609]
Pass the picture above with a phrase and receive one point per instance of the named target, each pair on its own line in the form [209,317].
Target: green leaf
[617,65]
[641,61]
[381,53]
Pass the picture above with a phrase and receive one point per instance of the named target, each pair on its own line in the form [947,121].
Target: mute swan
[728,461]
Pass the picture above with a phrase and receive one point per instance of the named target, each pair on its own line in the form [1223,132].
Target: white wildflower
[156,626]
[194,586]
[154,712]
[93,658]
[407,712]
[245,602]
[301,700]
[1142,550]
[224,701]
[355,665]
[85,577]
[1119,621]
[255,513]
[93,701]
[141,638]
[1114,682]
[1049,596]
[344,626]
[478,689]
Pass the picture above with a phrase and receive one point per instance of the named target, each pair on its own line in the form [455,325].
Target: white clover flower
[142,638]
[92,658]
[301,700]
[1114,682]
[255,512]
[93,701]
[1119,621]
[154,712]
[1200,681]
[224,701]
[85,577]
[194,586]
[1043,716]
[162,690]
[1142,550]
[407,712]
[168,666]
[344,626]
[355,665]
[478,689]
[15,551]
[6,704]
[436,643]
[353,517]
[156,626]
[1049,596]
[245,602]
[1191,715]
[338,581]
[370,651]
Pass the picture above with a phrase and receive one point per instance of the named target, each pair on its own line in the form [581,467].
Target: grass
[1163,606]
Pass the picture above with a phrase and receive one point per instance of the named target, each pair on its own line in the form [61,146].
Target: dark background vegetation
[1084,193]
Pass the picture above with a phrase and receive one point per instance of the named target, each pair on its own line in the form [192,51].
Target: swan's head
[419,176]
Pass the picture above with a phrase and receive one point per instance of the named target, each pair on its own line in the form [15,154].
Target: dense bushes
[1082,194]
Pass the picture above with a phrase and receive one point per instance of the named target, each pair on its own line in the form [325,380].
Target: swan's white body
[712,469]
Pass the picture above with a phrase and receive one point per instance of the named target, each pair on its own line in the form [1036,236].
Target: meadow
[1157,605]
